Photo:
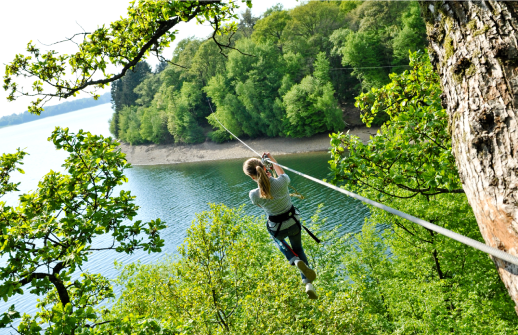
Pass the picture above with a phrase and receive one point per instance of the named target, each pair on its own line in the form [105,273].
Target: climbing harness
[438,229]
[290,214]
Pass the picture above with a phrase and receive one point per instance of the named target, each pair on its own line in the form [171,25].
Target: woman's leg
[296,256]
[280,242]
[296,245]
[307,274]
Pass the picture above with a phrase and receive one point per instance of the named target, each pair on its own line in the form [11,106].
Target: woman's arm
[277,168]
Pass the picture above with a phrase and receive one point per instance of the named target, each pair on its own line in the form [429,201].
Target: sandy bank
[154,154]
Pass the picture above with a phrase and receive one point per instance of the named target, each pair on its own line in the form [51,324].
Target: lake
[173,193]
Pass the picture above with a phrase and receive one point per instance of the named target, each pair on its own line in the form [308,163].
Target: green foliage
[246,24]
[129,126]
[229,278]
[247,90]
[412,150]
[364,52]
[311,25]
[270,29]
[8,164]
[48,236]
[266,86]
[310,106]
[153,125]
[124,95]
[411,37]
[415,281]
[246,95]
[380,34]
[257,75]
[123,90]
[347,6]
[171,105]
[411,280]
[219,136]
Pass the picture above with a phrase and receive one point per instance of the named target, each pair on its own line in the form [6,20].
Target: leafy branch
[412,150]
[147,28]
[54,226]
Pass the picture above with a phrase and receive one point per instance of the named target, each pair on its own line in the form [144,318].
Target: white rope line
[438,229]
[428,225]
[368,67]
[231,132]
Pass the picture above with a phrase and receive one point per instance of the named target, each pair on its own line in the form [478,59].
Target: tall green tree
[129,125]
[247,23]
[311,107]
[378,36]
[182,111]
[123,94]
[310,27]
[271,28]
[248,90]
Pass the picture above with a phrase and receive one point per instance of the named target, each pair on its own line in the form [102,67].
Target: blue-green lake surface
[173,193]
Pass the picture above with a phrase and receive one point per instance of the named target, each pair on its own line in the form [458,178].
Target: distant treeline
[65,107]
[289,75]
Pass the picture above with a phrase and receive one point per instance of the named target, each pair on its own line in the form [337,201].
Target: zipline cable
[430,226]
[230,131]
[366,68]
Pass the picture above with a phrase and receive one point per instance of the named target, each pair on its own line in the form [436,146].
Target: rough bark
[474,48]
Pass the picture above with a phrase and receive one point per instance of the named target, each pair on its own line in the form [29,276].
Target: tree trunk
[473,47]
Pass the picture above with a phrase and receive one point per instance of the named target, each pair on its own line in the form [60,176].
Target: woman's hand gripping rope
[267,160]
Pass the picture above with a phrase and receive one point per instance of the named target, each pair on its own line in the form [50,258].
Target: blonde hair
[255,168]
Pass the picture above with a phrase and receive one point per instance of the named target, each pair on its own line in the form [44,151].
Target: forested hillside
[287,73]
[65,107]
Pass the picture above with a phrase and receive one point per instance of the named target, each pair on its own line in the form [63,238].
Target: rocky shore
[154,154]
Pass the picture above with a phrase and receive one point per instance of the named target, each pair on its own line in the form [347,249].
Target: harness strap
[311,234]
[286,216]
[287,246]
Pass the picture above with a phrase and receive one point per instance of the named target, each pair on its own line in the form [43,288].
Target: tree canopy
[229,278]
[284,76]
[412,150]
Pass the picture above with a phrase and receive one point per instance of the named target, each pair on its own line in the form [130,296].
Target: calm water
[173,193]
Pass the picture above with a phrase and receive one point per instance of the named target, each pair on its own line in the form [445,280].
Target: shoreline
[158,154]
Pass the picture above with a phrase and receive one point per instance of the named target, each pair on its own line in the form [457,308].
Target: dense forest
[62,108]
[289,73]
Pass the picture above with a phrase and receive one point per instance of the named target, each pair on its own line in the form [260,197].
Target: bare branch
[67,39]
[221,46]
